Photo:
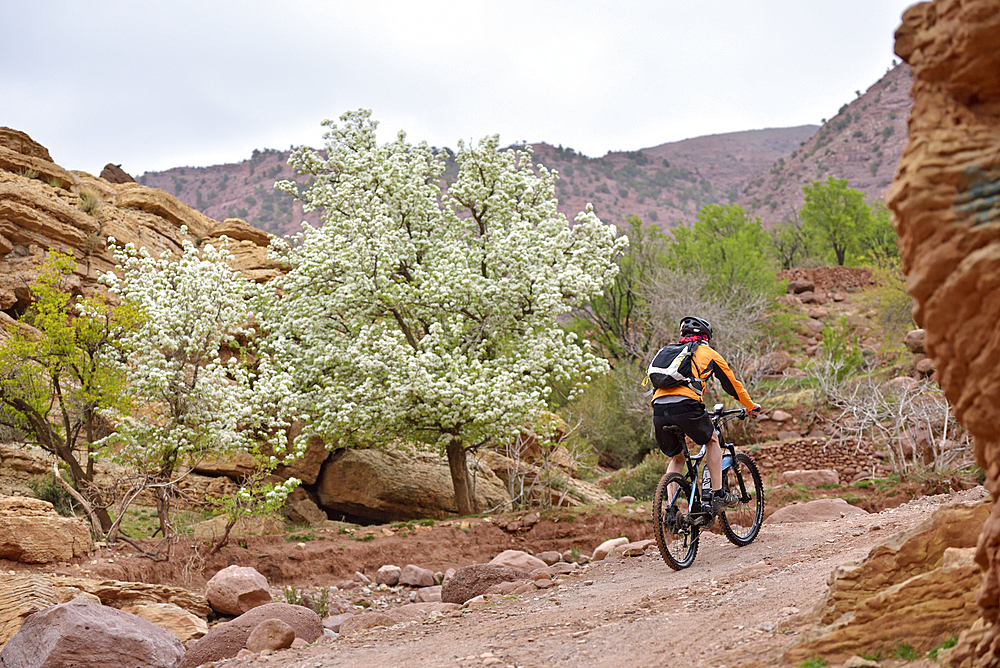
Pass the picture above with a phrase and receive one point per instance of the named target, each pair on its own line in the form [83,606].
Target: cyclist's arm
[730,384]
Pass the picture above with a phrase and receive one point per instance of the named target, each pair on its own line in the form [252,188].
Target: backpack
[672,366]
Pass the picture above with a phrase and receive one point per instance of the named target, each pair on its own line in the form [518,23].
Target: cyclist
[683,406]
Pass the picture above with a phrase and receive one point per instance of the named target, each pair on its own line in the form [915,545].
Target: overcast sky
[154,85]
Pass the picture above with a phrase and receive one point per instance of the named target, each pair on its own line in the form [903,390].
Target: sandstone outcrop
[43,206]
[31,532]
[944,204]
[175,619]
[387,486]
[918,587]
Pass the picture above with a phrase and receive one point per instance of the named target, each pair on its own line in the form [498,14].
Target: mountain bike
[682,509]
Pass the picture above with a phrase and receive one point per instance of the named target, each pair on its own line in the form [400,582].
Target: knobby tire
[675,537]
[742,523]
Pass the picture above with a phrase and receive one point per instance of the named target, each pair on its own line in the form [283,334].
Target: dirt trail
[733,607]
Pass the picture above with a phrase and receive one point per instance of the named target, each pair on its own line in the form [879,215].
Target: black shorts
[690,416]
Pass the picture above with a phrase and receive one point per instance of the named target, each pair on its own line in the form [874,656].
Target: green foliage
[840,343]
[838,215]
[879,242]
[813,662]
[47,489]
[947,644]
[731,250]
[905,652]
[618,434]
[888,298]
[791,242]
[639,481]
[54,385]
[614,319]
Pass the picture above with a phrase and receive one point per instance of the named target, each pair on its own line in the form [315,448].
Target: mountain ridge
[762,170]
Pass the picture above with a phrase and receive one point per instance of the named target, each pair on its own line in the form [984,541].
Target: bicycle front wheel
[741,523]
[675,537]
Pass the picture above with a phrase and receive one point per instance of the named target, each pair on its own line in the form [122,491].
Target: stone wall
[850,461]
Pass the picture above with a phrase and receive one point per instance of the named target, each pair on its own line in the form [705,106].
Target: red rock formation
[945,203]
[43,207]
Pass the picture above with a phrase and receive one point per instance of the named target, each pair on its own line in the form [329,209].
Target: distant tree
[59,376]
[838,215]
[616,319]
[880,241]
[791,241]
[415,317]
[729,249]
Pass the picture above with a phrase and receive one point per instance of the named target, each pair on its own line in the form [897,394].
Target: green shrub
[90,202]
[640,481]
[47,489]
[950,642]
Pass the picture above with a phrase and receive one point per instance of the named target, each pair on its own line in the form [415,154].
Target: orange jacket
[704,363]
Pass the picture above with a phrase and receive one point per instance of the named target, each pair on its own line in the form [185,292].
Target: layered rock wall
[946,205]
[46,207]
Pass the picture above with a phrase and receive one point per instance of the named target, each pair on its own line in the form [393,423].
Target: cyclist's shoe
[722,500]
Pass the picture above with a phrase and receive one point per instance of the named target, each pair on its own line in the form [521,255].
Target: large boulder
[472,581]
[943,200]
[31,532]
[226,640]
[518,559]
[388,486]
[237,589]
[84,634]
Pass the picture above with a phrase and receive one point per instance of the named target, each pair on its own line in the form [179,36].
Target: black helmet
[692,326]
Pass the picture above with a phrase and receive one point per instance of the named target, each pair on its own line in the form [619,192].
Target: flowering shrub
[195,364]
[429,315]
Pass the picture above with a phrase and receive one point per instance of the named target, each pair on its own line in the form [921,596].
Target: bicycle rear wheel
[676,538]
[741,524]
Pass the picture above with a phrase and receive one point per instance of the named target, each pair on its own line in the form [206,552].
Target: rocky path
[733,607]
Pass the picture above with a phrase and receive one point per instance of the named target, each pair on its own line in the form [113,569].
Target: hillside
[862,144]
[762,170]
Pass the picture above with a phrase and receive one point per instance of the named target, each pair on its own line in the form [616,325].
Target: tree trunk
[460,478]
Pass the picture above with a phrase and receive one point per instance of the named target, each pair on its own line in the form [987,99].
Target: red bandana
[689,339]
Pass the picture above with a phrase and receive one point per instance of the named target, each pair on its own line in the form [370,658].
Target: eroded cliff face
[43,206]
[946,204]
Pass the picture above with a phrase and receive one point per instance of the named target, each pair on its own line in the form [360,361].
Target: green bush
[47,489]
[618,436]
[640,481]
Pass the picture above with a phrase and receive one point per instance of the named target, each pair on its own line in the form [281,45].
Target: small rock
[859,662]
[605,548]
[415,576]
[270,634]
[550,557]
[518,559]
[781,416]
[766,626]
[914,341]
[626,499]
[388,575]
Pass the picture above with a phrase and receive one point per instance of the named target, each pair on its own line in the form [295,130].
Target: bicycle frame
[695,466]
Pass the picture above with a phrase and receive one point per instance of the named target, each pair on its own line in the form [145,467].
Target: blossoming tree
[422,316]
[195,365]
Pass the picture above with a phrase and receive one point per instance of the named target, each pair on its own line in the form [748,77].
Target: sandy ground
[733,607]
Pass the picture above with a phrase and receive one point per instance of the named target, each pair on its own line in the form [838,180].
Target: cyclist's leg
[669,444]
[713,459]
